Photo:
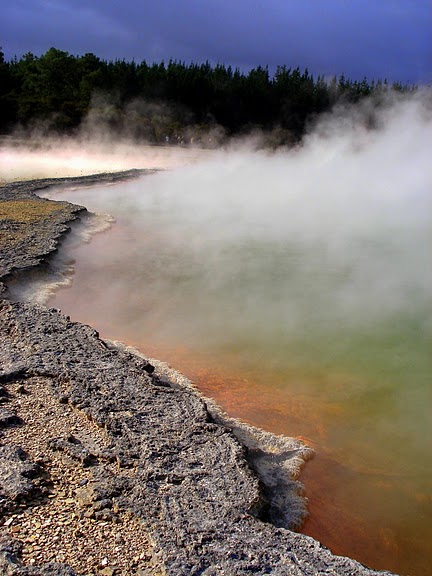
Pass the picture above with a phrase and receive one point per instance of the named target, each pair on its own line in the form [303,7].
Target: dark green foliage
[166,102]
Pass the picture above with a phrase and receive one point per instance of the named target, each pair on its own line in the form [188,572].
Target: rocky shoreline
[111,464]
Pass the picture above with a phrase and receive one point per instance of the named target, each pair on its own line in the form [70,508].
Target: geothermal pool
[295,288]
[306,312]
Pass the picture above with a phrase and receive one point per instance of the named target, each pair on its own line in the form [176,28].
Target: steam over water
[302,281]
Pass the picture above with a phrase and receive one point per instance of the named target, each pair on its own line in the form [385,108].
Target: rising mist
[346,210]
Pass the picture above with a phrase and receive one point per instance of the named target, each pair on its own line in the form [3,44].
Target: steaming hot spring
[295,289]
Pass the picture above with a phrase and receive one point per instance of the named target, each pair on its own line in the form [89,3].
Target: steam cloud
[323,232]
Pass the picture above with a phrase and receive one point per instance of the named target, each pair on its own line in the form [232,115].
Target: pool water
[306,319]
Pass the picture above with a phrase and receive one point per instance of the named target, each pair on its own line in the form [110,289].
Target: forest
[172,102]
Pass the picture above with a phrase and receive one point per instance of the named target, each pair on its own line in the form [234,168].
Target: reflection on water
[303,328]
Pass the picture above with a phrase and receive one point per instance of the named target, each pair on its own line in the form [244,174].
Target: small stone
[108,571]
[101,504]
[8,418]
[4,395]
[106,515]
[84,496]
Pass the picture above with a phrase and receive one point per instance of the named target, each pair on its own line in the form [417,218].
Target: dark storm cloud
[358,37]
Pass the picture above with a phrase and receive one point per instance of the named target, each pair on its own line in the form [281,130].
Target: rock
[74,449]
[101,504]
[18,373]
[97,494]
[50,569]
[4,395]
[8,418]
[105,515]
[108,571]
[11,564]
[85,496]
[16,474]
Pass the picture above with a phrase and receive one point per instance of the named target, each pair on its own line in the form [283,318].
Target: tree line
[167,102]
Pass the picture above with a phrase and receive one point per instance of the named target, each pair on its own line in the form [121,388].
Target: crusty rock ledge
[123,444]
[31,227]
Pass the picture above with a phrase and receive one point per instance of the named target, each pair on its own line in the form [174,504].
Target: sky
[374,38]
